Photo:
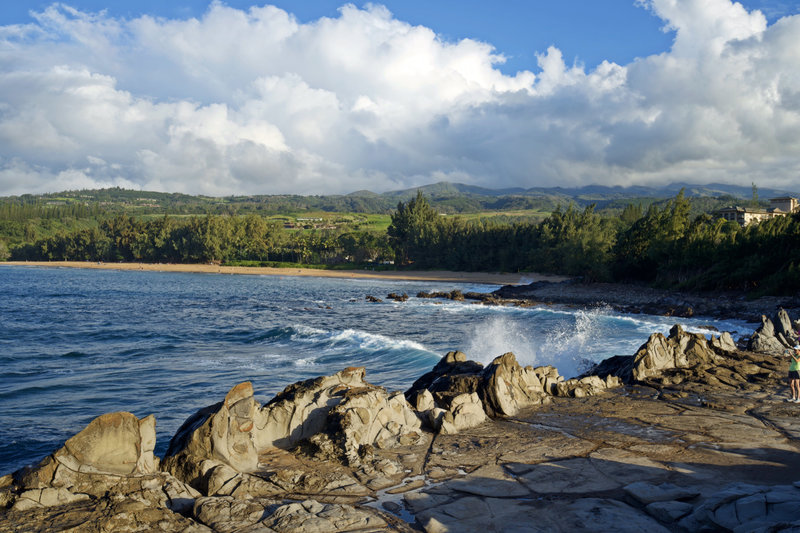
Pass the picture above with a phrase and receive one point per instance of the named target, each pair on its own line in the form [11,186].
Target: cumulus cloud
[256,102]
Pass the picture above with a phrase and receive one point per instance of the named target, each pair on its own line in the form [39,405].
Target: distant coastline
[483,278]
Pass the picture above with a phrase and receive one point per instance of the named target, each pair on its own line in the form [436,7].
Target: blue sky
[585,30]
[588,31]
[237,97]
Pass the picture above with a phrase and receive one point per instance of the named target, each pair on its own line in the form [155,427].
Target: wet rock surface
[698,439]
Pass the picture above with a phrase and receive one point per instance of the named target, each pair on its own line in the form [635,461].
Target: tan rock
[113,443]
[507,387]
[301,410]
[424,401]
[339,415]
[724,343]
[313,517]
[226,514]
[764,340]
[466,411]
[223,432]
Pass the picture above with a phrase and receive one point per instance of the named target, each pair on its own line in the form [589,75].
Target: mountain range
[447,197]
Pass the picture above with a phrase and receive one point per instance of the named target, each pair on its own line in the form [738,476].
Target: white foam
[374,341]
[569,343]
[307,331]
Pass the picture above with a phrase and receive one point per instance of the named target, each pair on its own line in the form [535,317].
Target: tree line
[206,239]
[662,244]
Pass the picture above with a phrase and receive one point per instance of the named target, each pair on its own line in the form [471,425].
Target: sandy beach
[488,278]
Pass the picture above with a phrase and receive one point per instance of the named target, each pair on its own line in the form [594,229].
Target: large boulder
[336,415]
[342,409]
[506,387]
[222,432]
[452,376]
[465,411]
[113,455]
[784,330]
[368,416]
[764,340]
[301,409]
[115,444]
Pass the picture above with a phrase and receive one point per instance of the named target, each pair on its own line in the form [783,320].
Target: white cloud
[256,102]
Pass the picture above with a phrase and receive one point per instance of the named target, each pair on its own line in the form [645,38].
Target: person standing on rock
[794,373]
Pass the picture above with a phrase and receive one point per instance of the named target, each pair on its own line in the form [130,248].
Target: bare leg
[795,385]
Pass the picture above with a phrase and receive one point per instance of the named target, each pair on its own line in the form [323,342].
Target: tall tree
[412,230]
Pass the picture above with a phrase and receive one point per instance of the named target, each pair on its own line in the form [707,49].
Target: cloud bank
[241,102]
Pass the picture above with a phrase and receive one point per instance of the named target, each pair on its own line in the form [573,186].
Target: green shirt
[795,364]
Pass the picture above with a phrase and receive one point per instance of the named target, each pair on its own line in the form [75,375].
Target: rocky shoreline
[687,434]
[633,298]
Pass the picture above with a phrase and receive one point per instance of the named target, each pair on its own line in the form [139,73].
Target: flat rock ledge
[687,434]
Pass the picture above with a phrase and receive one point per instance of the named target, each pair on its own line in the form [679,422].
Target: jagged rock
[507,387]
[584,386]
[373,299]
[724,343]
[301,409]
[784,328]
[680,350]
[337,415]
[455,295]
[466,411]
[398,297]
[549,378]
[368,416]
[350,411]
[503,387]
[452,375]
[222,432]
[424,401]
[764,339]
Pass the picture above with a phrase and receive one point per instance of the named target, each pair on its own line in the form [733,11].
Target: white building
[778,207]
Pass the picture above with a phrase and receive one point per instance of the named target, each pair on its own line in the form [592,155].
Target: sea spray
[498,335]
[562,344]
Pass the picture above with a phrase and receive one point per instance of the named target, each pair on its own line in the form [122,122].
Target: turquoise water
[77,343]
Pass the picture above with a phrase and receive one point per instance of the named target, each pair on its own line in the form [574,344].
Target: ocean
[76,343]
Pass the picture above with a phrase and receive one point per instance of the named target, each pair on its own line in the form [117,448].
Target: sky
[324,97]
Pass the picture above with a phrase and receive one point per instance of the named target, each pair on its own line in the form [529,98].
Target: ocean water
[78,343]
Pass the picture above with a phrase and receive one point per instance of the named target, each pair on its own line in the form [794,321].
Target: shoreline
[640,299]
[481,278]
